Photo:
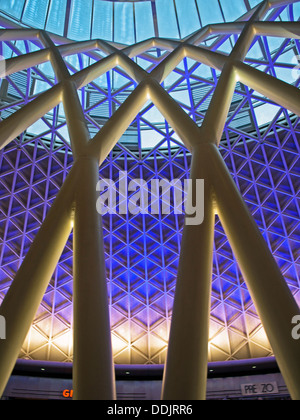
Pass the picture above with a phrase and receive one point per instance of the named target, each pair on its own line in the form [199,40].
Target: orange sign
[67,393]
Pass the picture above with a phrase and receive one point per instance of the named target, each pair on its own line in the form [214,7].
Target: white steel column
[186,368]
[269,291]
[93,372]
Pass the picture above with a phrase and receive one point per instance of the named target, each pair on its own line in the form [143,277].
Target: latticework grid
[142,252]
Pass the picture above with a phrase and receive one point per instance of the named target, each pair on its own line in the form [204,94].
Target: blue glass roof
[126,22]
[191,83]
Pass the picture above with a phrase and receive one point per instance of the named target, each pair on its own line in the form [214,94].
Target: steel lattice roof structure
[257,131]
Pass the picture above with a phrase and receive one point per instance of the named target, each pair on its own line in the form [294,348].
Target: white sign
[260,388]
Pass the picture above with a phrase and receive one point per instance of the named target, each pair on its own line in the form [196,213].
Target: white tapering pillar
[185,374]
[93,369]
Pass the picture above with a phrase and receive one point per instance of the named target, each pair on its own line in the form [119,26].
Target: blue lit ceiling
[260,147]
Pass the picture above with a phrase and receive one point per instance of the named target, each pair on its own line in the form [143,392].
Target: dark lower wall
[271,386]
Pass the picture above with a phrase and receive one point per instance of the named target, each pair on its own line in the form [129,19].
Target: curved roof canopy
[124,21]
[129,22]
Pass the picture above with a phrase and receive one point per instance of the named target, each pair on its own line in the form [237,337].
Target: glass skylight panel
[284,15]
[6,51]
[166,13]
[102,21]
[210,12]
[254,3]
[35,13]
[255,51]
[144,21]
[47,69]
[20,45]
[265,113]
[187,16]
[124,23]
[13,7]
[80,20]
[182,96]
[296,11]
[150,139]
[56,18]
[233,9]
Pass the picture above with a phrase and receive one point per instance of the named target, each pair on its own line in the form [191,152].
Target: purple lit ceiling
[260,146]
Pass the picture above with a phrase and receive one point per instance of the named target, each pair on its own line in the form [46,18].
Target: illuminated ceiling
[260,146]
